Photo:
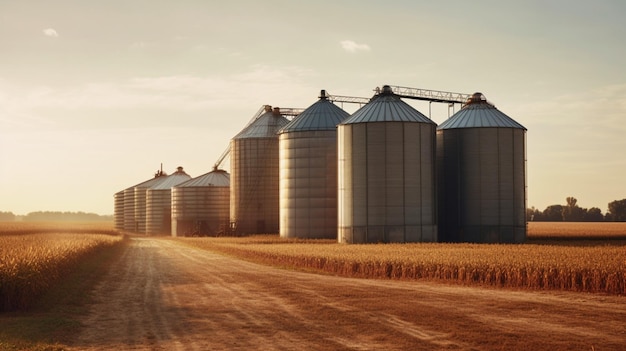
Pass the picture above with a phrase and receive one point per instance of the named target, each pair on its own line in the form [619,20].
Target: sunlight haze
[96,95]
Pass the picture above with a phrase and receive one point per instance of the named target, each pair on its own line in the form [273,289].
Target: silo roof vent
[479,113]
[386,106]
[322,115]
[267,125]
[477,98]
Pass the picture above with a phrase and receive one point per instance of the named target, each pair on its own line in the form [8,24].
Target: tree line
[571,212]
[55,216]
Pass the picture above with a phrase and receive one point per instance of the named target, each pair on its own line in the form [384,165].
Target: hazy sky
[95,95]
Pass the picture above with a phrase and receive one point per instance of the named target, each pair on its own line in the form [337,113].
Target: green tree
[617,210]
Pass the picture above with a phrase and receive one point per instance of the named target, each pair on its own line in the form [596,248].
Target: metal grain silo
[140,201]
[481,168]
[254,175]
[159,203]
[132,219]
[118,210]
[386,173]
[308,172]
[201,206]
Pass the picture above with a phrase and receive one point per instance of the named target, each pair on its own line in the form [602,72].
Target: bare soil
[162,295]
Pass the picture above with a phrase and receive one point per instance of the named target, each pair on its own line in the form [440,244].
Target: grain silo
[254,175]
[131,220]
[140,201]
[386,173]
[201,206]
[308,172]
[481,169]
[118,210]
[159,203]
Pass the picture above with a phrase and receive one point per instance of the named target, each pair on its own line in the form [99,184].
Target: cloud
[352,47]
[50,32]
[31,107]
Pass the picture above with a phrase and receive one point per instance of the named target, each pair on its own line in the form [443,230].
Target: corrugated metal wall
[200,210]
[118,210]
[140,209]
[254,204]
[159,203]
[308,184]
[482,184]
[158,211]
[387,182]
[129,209]
[201,206]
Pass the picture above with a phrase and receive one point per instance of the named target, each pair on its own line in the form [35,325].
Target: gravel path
[162,295]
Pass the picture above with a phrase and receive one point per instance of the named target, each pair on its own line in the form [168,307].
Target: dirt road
[164,295]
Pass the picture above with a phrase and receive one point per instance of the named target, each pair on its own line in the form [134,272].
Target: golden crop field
[31,263]
[590,268]
[14,228]
[588,230]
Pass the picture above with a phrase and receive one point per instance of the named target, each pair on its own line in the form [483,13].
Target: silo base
[489,234]
[388,234]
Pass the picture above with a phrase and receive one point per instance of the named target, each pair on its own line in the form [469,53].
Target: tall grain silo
[118,210]
[481,166]
[131,218]
[254,175]
[159,203]
[386,173]
[308,172]
[201,206]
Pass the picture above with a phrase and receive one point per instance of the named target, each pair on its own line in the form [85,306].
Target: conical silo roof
[387,107]
[158,178]
[266,126]
[172,180]
[217,177]
[479,113]
[322,115]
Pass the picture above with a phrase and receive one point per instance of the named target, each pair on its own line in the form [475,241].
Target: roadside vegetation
[46,275]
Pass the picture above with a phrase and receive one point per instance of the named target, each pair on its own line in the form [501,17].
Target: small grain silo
[254,175]
[308,172]
[386,173]
[481,170]
[140,201]
[131,220]
[159,203]
[201,206]
[118,210]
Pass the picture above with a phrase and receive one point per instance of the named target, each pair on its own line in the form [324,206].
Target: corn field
[598,269]
[30,264]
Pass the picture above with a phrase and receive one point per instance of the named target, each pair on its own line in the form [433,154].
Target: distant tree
[533,214]
[594,214]
[50,216]
[553,213]
[7,216]
[617,209]
[572,212]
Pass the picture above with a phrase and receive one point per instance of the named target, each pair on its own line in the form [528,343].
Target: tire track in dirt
[162,295]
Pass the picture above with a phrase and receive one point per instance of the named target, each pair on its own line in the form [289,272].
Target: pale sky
[95,95]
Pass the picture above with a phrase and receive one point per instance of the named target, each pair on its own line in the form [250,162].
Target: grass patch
[54,318]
